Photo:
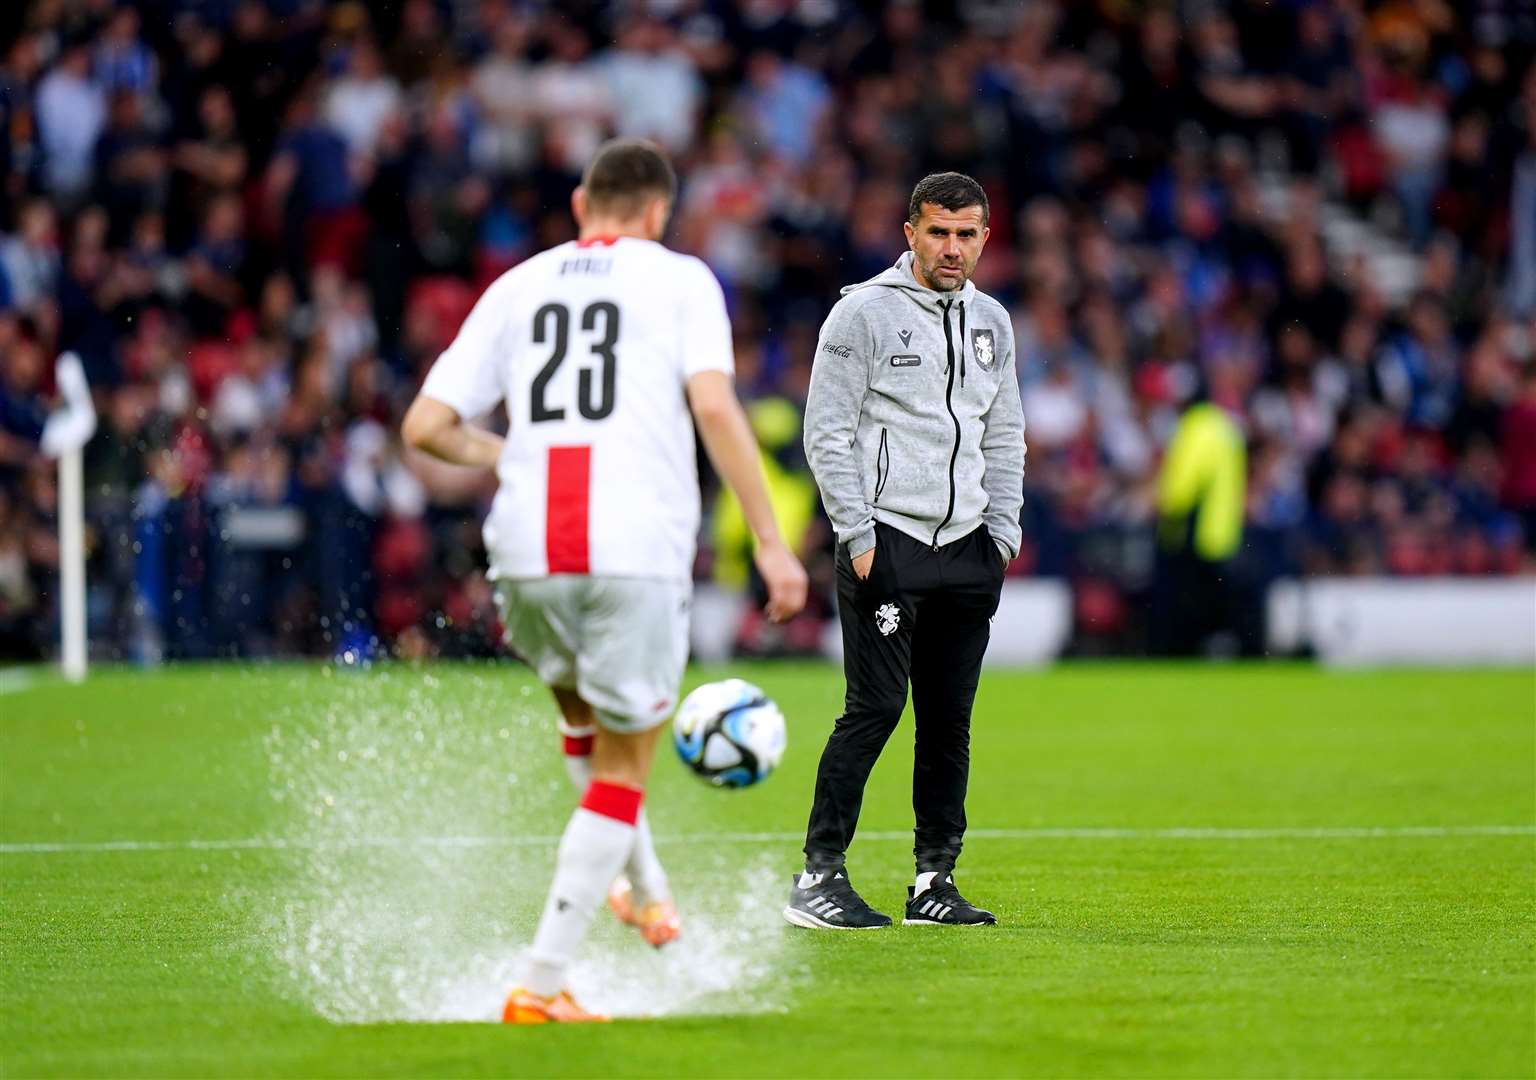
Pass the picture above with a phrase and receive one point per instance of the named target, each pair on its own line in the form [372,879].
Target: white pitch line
[1322,832]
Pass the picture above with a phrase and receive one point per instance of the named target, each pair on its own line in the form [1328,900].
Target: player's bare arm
[732,449]
[438,430]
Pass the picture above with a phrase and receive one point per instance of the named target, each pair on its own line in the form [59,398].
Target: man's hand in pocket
[862,563]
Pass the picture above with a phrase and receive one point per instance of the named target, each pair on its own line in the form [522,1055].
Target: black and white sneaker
[819,902]
[942,905]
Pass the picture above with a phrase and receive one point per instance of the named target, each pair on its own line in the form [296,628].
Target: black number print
[595,386]
[604,348]
[562,316]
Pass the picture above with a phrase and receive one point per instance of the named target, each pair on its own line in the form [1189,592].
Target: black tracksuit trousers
[925,616]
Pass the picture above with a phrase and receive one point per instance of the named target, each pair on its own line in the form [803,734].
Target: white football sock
[579,768]
[643,867]
[592,851]
[924,883]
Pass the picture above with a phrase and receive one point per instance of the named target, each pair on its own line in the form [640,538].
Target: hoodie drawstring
[962,344]
[949,344]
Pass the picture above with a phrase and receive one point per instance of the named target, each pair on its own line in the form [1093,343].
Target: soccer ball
[729,733]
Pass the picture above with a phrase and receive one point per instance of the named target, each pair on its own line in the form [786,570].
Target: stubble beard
[944,285]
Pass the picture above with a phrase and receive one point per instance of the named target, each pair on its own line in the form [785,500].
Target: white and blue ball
[729,733]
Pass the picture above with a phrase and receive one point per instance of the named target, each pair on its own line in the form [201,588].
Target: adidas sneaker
[942,905]
[828,902]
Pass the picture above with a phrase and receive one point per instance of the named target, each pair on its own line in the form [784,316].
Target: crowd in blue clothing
[257,221]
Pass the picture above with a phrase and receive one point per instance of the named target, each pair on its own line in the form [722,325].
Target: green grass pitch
[1236,871]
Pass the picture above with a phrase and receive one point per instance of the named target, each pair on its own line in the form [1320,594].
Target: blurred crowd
[258,221]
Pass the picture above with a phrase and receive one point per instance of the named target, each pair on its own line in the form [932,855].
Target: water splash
[413,929]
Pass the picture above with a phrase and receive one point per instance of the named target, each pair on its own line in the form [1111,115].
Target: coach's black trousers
[922,616]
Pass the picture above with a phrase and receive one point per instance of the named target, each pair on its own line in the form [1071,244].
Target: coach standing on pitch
[915,435]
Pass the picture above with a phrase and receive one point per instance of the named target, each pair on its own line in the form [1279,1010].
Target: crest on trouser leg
[887,619]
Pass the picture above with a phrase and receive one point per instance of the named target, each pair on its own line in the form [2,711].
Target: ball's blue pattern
[729,715]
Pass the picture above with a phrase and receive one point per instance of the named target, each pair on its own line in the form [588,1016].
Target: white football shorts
[621,643]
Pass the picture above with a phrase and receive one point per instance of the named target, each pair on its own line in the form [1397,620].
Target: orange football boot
[525,1007]
[656,921]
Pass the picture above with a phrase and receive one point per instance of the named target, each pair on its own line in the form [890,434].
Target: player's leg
[578,729]
[950,643]
[629,671]
[542,626]
[640,896]
[542,621]
[631,649]
[593,848]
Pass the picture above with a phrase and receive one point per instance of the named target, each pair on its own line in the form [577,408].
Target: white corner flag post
[64,437]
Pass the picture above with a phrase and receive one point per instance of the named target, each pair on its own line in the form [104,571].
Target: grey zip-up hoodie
[913,417]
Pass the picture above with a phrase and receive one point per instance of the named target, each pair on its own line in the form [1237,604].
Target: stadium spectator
[655,87]
[573,103]
[312,186]
[503,87]
[212,156]
[71,111]
[786,103]
[1201,494]
[360,102]
[29,259]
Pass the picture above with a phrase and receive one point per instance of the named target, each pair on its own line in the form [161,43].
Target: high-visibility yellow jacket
[1201,491]
[775,422]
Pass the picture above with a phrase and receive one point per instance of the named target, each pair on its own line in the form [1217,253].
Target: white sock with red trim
[592,851]
[578,760]
[643,867]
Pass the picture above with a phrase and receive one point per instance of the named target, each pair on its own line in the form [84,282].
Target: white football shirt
[589,345]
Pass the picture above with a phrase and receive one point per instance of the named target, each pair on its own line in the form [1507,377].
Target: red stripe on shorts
[613,800]
[566,509]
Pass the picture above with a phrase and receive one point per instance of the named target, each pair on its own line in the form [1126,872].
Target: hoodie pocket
[882,464]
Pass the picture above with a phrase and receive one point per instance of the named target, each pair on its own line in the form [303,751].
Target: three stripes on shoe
[935,909]
[823,907]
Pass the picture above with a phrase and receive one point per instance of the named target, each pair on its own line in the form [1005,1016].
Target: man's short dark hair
[625,174]
[950,190]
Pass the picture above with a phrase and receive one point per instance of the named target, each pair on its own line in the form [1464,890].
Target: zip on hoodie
[949,404]
[882,466]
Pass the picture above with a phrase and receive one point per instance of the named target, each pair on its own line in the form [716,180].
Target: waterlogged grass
[1235,871]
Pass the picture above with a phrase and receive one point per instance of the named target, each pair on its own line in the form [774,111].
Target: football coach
[915,435]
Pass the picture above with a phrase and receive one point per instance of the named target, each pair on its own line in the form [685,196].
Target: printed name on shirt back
[586,264]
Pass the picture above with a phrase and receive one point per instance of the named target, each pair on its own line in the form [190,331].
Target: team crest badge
[887,619]
[982,349]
